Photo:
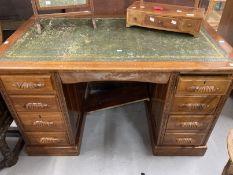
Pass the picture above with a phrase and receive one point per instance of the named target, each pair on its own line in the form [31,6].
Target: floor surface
[116,142]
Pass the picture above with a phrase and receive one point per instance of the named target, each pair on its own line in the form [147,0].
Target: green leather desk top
[76,40]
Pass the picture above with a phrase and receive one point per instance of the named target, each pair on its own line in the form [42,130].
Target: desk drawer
[196,85]
[30,103]
[161,22]
[47,138]
[19,84]
[42,121]
[199,123]
[183,139]
[195,104]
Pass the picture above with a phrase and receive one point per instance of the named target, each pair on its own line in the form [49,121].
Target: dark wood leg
[10,157]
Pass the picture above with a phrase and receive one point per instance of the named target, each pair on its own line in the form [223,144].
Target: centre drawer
[162,22]
[28,84]
[33,103]
[195,123]
[183,139]
[42,121]
[47,138]
[195,104]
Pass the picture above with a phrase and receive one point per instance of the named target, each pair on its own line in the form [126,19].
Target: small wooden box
[165,17]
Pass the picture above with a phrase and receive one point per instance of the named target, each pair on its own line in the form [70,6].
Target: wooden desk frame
[163,76]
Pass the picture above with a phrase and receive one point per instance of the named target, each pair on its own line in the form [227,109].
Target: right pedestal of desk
[182,120]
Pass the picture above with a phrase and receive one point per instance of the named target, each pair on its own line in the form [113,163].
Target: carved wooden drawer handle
[194,106]
[192,125]
[29,85]
[45,140]
[184,140]
[36,106]
[203,89]
[41,123]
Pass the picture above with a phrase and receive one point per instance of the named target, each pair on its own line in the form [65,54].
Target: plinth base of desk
[179,150]
[53,151]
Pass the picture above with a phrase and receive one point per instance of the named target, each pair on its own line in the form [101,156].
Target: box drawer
[30,103]
[42,121]
[195,104]
[28,84]
[190,25]
[199,123]
[161,22]
[183,139]
[196,85]
[134,18]
[47,138]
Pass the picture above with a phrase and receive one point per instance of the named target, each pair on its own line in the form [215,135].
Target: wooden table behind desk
[102,7]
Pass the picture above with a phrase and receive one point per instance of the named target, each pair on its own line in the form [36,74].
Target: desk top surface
[74,40]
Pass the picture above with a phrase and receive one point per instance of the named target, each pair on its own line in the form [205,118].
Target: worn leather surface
[76,40]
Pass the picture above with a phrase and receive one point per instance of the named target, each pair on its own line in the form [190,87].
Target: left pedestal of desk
[48,124]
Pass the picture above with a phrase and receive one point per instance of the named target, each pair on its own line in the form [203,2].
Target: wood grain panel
[33,103]
[195,104]
[42,121]
[25,84]
[180,150]
[47,138]
[195,123]
[183,139]
[196,85]
[167,19]
[226,23]
[76,77]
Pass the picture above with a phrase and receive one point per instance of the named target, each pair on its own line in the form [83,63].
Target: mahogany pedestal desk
[44,79]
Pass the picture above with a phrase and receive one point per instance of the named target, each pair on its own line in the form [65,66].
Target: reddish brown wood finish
[70,98]
[189,123]
[143,14]
[28,84]
[115,97]
[46,121]
[226,23]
